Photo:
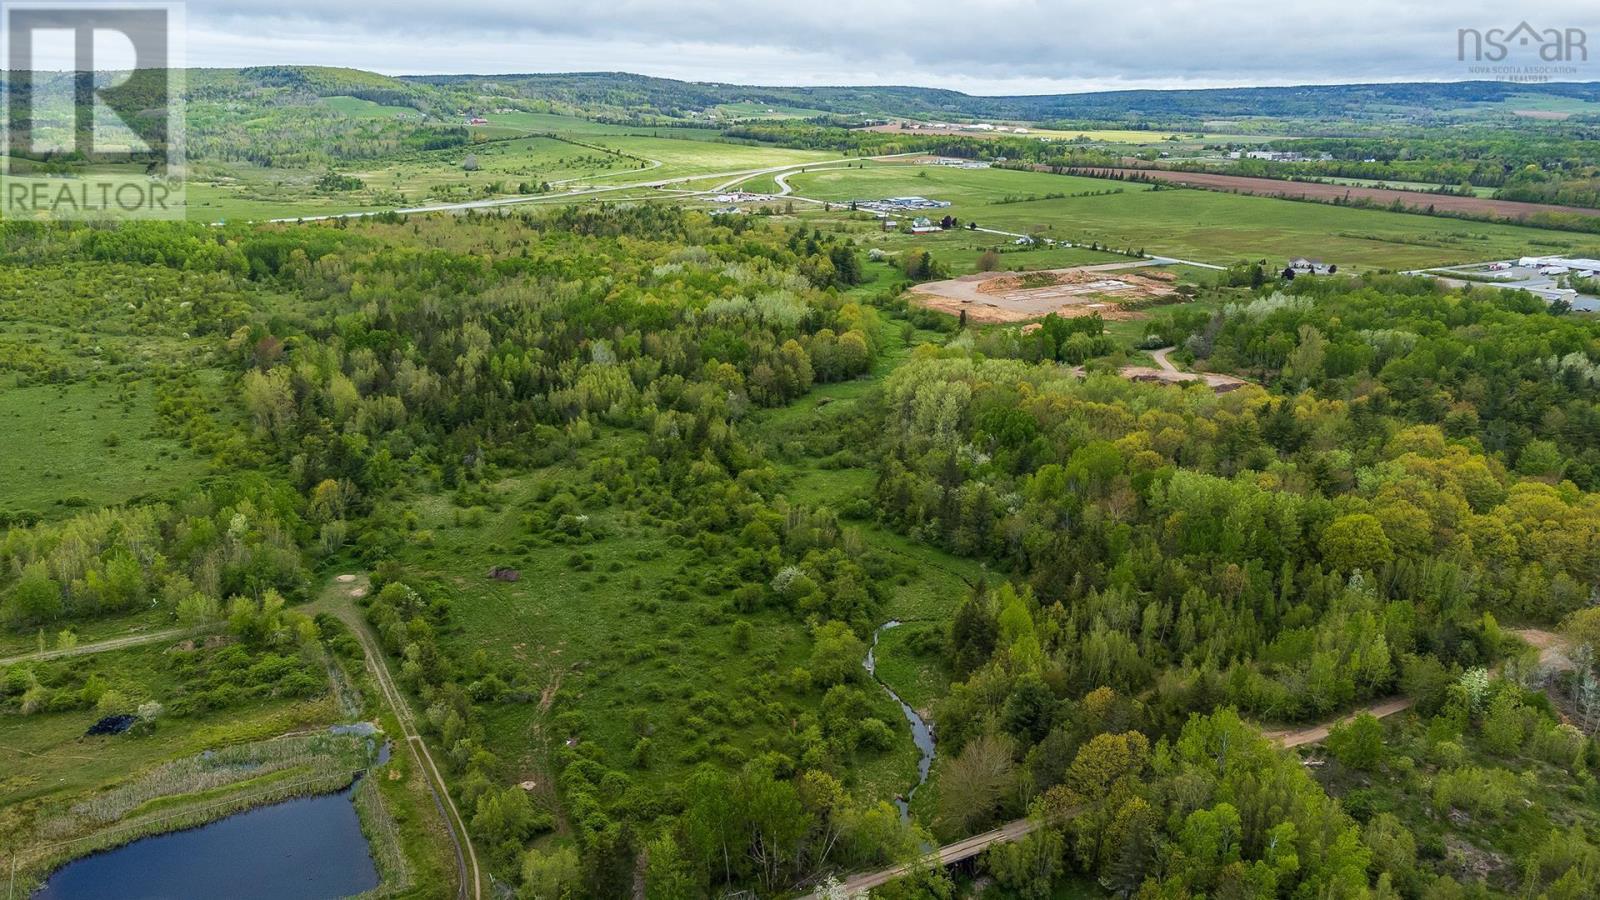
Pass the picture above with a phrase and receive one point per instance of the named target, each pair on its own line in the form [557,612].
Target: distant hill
[627,96]
[306,83]
[1359,102]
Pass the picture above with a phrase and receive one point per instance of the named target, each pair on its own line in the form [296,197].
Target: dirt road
[132,640]
[337,601]
[1318,733]
[949,853]
[1161,359]
[1552,648]
[1011,831]
[1552,654]
[1170,373]
[1016,830]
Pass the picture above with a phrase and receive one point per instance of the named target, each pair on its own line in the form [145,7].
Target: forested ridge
[1159,569]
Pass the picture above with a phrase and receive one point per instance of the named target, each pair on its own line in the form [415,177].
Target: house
[923,225]
[477,120]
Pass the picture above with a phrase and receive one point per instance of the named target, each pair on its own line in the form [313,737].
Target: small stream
[921,731]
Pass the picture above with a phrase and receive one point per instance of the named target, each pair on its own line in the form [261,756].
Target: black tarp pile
[116,724]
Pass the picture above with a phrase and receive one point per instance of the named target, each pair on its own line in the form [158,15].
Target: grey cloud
[982,44]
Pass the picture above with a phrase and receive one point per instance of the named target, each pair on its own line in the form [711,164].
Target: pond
[308,848]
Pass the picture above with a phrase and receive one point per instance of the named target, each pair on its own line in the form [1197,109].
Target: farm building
[900,204]
[1578,264]
[923,225]
[1305,266]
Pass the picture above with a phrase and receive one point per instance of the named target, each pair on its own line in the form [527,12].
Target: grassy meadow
[1206,226]
[517,155]
[67,447]
[635,631]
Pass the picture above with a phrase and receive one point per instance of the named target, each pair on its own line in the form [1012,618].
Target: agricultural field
[1401,185]
[287,196]
[1204,226]
[752,110]
[685,157]
[1538,106]
[1163,139]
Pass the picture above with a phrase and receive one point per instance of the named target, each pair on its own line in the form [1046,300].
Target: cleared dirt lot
[1018,296]
[1272,187]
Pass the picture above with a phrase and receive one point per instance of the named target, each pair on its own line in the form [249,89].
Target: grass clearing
[368,109]
[74,446]
[632,663]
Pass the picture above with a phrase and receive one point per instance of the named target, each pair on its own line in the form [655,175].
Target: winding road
[780,176]
[736,177]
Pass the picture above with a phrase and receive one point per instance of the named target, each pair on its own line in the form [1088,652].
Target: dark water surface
[921,731]
[309,848]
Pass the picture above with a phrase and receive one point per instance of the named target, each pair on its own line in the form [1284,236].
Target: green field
[77,445]
[213,203]
[635,630]
[46,755]
[682,157]
[514,157]
[1205,226]
[367,109]
[752,110]
[1404,185]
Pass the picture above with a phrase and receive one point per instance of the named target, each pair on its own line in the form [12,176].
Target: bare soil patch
[990,297]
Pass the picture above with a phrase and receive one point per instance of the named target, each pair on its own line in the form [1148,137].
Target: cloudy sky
[978,46]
